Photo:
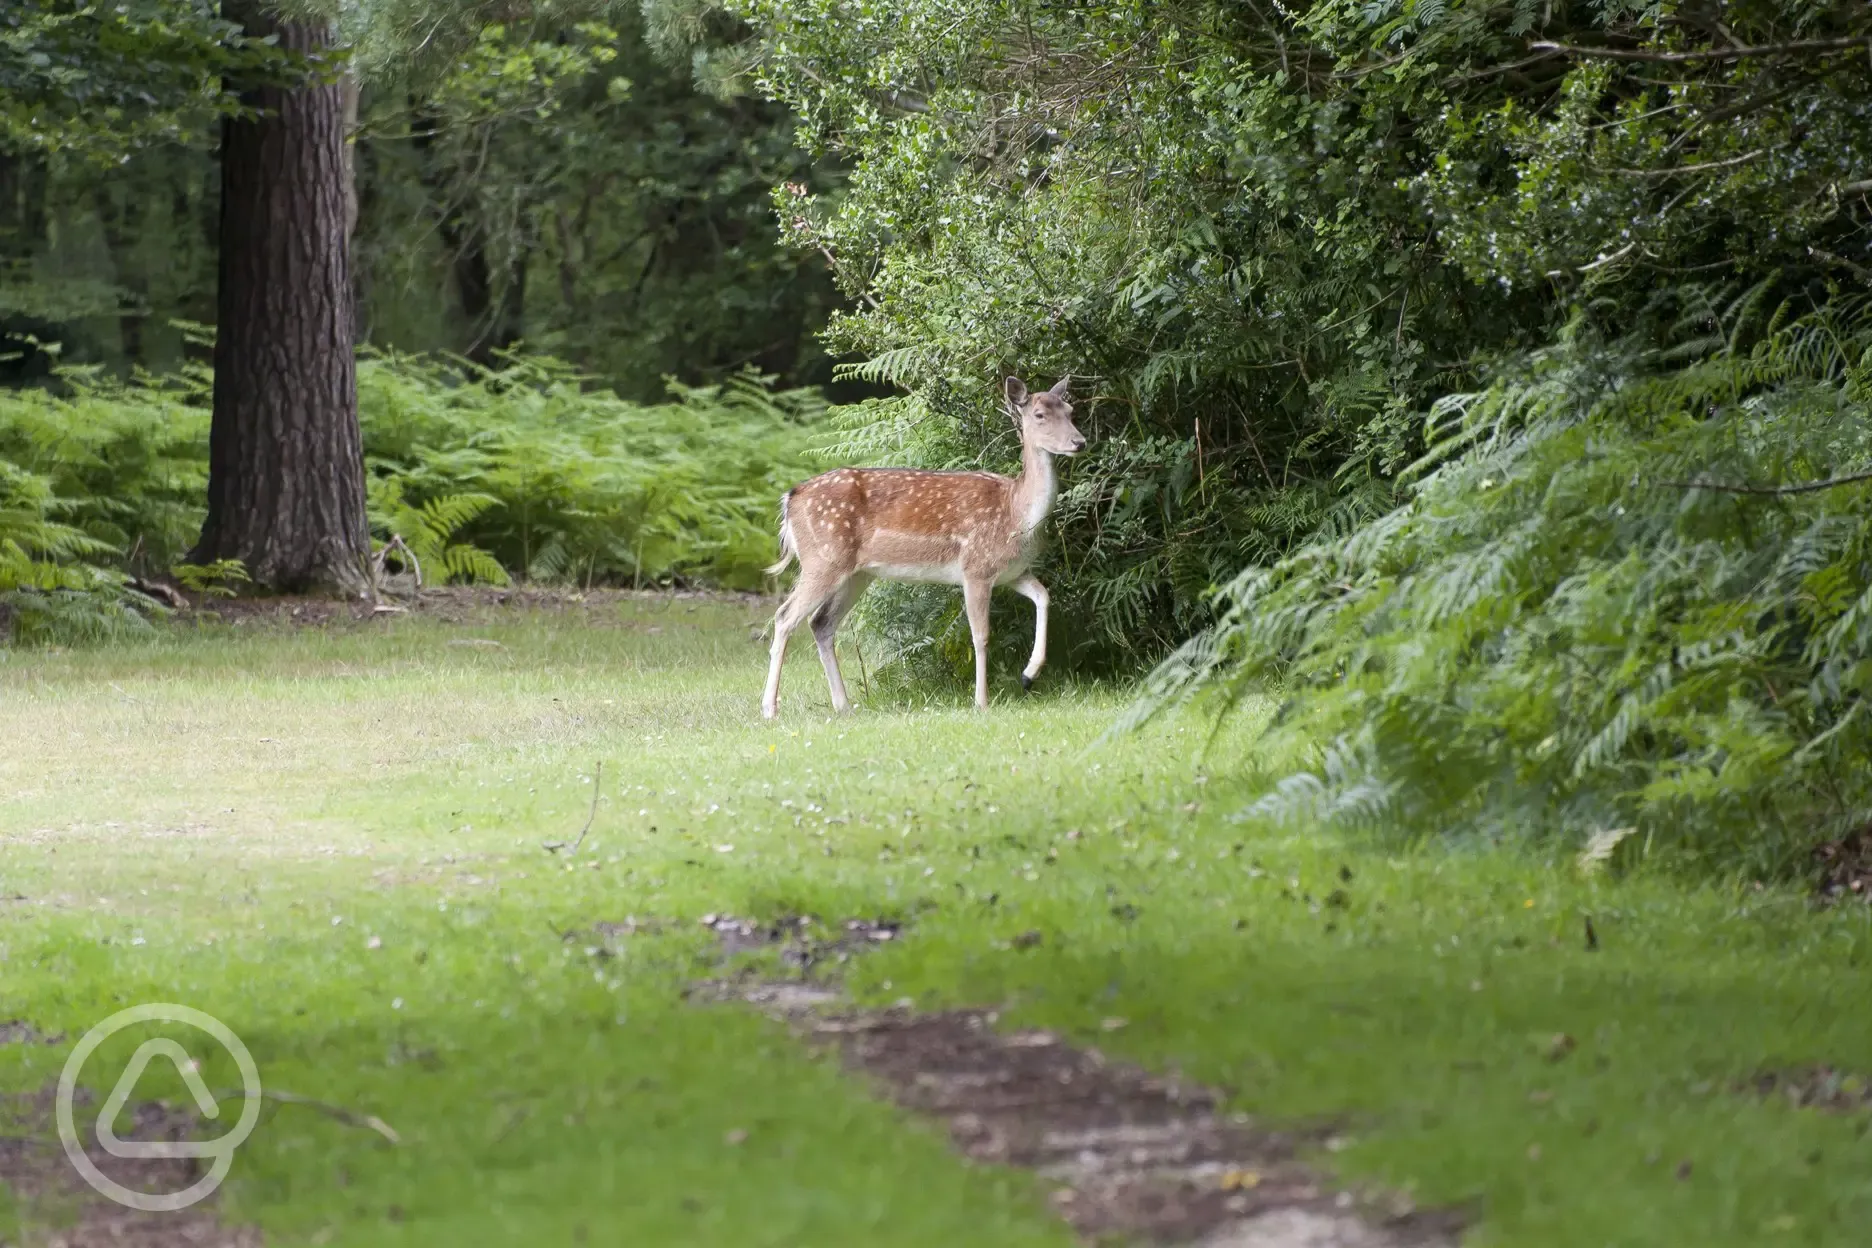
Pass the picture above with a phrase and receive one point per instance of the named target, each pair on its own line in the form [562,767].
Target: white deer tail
[788,551]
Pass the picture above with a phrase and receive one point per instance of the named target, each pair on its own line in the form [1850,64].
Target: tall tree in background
[286,471]
[526,170]
[101,111]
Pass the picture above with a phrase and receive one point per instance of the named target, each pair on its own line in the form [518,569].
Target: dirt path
[1130,1155]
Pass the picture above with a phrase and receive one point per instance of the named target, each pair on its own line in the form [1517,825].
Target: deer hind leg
[825,626]
[1031,589]
[816,586]
[975,595]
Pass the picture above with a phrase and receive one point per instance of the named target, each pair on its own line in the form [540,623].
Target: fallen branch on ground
[553,847]
[350,1117]
[168,595]
[382,557]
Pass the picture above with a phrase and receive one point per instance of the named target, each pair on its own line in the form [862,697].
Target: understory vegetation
[1515,352]
[355,880]
[1597,616]
[1452,764]
[522,471]
[1486,381]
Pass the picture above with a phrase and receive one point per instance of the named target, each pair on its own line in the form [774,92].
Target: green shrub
[525,472]
[50,583]
[1563,635]
[127,460]
[520,472]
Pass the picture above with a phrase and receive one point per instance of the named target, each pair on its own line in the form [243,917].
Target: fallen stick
[350,1117]
[553,847]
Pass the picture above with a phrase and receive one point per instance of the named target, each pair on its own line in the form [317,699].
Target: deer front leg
[1033,591]
[975,595]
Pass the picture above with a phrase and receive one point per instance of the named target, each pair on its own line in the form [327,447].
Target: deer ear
[1059,387]
[1016,390]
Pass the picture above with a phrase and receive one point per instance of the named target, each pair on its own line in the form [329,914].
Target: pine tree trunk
[286,469]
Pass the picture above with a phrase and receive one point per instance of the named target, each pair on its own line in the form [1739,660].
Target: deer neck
[1034,489]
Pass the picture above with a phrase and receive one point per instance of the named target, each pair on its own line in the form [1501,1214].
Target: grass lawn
[331,840]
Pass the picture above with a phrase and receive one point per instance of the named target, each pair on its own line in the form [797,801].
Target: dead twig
[1710,54]
[168,595]
[338,1113]
[1805,487]
[1493,70]
[553,847]
[1705,167]
[1600,263]
[397,544]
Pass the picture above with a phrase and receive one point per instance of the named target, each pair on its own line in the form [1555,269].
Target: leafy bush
[486,475]
[522,471]
[49,586]
[1631,594]
[1267,239]
[127,459]
[1216,237]
[104,476]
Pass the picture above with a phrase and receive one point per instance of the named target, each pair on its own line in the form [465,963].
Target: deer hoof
[1026,682]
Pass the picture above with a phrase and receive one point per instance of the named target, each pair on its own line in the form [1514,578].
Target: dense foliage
[1512,348]
[1144,196]
[523,173]
[519,472]
[1565,259]
[564,186]
[1598,614]
[95,82]
[531,472]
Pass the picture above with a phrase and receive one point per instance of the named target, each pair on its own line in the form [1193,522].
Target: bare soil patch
[1845,867]
[804,942]
[18,1031]
[34,1166]
[1816,1087]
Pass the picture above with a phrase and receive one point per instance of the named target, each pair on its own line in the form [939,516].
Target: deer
[973,529]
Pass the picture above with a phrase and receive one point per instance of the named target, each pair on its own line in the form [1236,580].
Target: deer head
[1045,419]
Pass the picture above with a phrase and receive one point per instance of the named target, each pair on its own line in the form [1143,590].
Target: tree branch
[350,1117]
[1805,487]
[1600,263]
[1491,71]
[1709,54]
[553,847]
[1702,168]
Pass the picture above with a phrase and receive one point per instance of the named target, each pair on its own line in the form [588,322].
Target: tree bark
[285,458]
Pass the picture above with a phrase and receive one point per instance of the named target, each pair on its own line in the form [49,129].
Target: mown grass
[331,839]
